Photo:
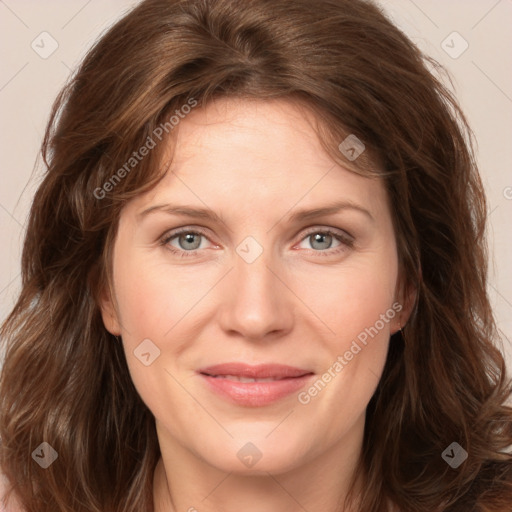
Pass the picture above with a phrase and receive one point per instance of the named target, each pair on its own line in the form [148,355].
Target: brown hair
[65,379]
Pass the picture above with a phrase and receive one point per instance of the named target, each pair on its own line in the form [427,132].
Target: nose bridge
[255,301]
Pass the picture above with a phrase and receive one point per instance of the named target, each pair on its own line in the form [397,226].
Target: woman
[325,342]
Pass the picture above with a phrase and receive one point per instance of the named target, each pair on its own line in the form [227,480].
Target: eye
[184,242]
[321,240]
[187,242]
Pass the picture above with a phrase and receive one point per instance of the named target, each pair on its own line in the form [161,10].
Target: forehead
[284,126]
[267,153]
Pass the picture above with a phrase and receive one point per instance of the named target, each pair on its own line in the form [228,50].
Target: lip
[286,380]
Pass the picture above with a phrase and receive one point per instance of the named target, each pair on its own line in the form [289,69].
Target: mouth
[238,378]
[254,386]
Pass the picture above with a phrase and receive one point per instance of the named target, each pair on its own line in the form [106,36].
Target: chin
[258,454]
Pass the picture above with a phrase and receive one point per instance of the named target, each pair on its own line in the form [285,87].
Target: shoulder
[7,506]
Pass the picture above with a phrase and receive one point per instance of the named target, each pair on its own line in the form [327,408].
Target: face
[250,321]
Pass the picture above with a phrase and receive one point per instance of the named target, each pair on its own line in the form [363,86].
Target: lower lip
[256,394]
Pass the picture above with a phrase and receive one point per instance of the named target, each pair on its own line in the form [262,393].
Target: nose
[257,303]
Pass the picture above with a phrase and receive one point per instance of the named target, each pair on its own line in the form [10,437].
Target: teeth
[244,379]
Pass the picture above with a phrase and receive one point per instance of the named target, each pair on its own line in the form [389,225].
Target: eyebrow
[298,216]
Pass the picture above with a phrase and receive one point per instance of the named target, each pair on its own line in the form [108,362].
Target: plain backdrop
[42,42]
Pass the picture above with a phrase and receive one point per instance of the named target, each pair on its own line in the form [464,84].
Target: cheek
[358,305]
[150,303]
[151,299]
[345,298]
[352,298]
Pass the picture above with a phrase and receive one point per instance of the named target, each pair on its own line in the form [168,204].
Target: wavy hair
[65,378]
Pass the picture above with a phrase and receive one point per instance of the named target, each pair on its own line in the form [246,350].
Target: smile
[254,386]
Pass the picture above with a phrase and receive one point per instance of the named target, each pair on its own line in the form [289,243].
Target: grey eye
[323,240]
[186,240]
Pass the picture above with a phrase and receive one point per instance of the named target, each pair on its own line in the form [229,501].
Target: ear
[405,297]
[108,311]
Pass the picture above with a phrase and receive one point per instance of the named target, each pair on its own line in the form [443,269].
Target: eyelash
[346,240]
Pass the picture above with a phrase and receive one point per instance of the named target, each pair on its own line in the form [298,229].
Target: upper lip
[260,371]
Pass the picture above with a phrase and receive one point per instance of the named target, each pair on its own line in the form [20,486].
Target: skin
[300,303]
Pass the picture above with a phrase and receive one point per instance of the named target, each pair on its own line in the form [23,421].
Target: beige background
[482,79]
